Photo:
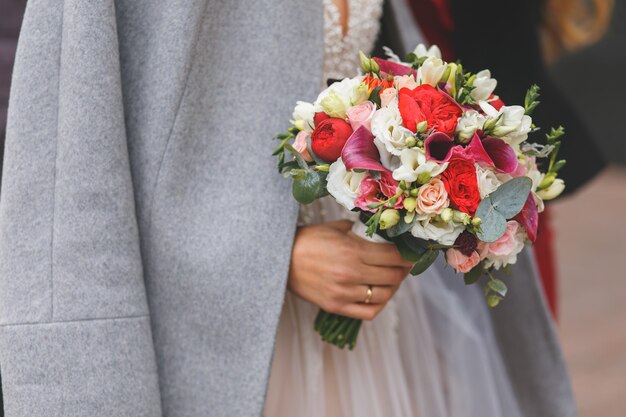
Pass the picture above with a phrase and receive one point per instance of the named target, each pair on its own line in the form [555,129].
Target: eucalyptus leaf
[309,186]
[504,203]
[425,260]
[473,275]
[497,286]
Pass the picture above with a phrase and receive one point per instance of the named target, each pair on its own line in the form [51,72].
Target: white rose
[469,123]
[513,125]
[413,164]
[337,98]
[303,116]
[483,86]
[488,182]
[431,71]
[440,232]
[420,51]
[344,185]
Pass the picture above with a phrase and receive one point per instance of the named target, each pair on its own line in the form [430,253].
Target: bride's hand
[332,268]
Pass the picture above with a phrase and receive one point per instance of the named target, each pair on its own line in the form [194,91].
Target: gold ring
[369,295]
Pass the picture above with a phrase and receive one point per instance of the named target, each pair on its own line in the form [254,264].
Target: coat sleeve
[75,336]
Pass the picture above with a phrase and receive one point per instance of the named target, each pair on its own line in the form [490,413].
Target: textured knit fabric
[145,234]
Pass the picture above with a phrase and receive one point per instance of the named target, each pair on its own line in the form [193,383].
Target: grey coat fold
[145,235]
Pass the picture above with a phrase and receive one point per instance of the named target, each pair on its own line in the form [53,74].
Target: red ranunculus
[328,138]
[319,117]
[425,102]
[462,185]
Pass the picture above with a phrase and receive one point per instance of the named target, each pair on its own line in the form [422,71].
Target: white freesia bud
[389,218]
[431,71]
[344,185]
[483,86]
[460,217]
[553,191]
[420,51]
[422,126]
[410,203]
[509,123]
[468,124]
[303,116]
[447,214]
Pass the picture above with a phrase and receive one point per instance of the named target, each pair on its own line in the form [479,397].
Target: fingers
[381,294]
[341,225]
[379,254]
[361,311]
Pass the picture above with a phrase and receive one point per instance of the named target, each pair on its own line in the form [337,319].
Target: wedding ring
[368,295]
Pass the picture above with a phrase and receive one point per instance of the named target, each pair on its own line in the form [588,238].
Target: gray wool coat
[144,232]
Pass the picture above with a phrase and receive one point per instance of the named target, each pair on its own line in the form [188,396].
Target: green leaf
[303,164]
[530,101]
[309,186]
[558,165]
[473,275]
[411,248]
[493,300]
[375,95]
[504,203]
[400,228]
[497,286]
[424,261]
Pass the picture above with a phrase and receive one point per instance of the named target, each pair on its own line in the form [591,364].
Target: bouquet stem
[340,331]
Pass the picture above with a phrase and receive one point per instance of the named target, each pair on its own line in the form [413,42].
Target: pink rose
[300,145]
[508,243]
[405,81]
[361,115]
[387,96]
[432,198]
[372,191]
[461,263]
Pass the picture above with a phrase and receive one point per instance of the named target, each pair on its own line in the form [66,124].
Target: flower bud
[547,181]
[414,192]
[446,74]
[389,218]
[410,141]
[446,215]
[460,217]
[420,143]
[476,221]
[299,124]
[361,93]
[423,178]
[500,131]
[334,106]
[365,62]
[553,191]
[375,67]
[422,126]
[402,184]
[410,203]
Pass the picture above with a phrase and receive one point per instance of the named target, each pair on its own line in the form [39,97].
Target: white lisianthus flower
[336,99]
[513,125]
[420,51]
[390,136]
[431,71]
[303,116]
[488,182]
[483,85]
[468,124]
[443,233]
[504,251]
[344,185]
[414,164]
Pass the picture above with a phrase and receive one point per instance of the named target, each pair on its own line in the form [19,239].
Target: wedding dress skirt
[431,352]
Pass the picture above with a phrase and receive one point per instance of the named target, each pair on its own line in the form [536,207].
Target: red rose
[462,185]
[328,138]
[425,102]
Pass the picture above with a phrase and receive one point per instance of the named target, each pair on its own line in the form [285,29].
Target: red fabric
[435,20]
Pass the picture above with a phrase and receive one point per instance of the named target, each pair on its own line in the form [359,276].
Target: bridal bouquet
[431,159]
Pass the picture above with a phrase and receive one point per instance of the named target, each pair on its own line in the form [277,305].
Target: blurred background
[591,251]
[585,60]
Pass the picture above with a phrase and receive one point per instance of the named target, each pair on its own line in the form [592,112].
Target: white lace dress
[425,354]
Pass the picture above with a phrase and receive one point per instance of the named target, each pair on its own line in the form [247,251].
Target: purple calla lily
[439,147]
[529,218]
[359,152]
[393,68]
